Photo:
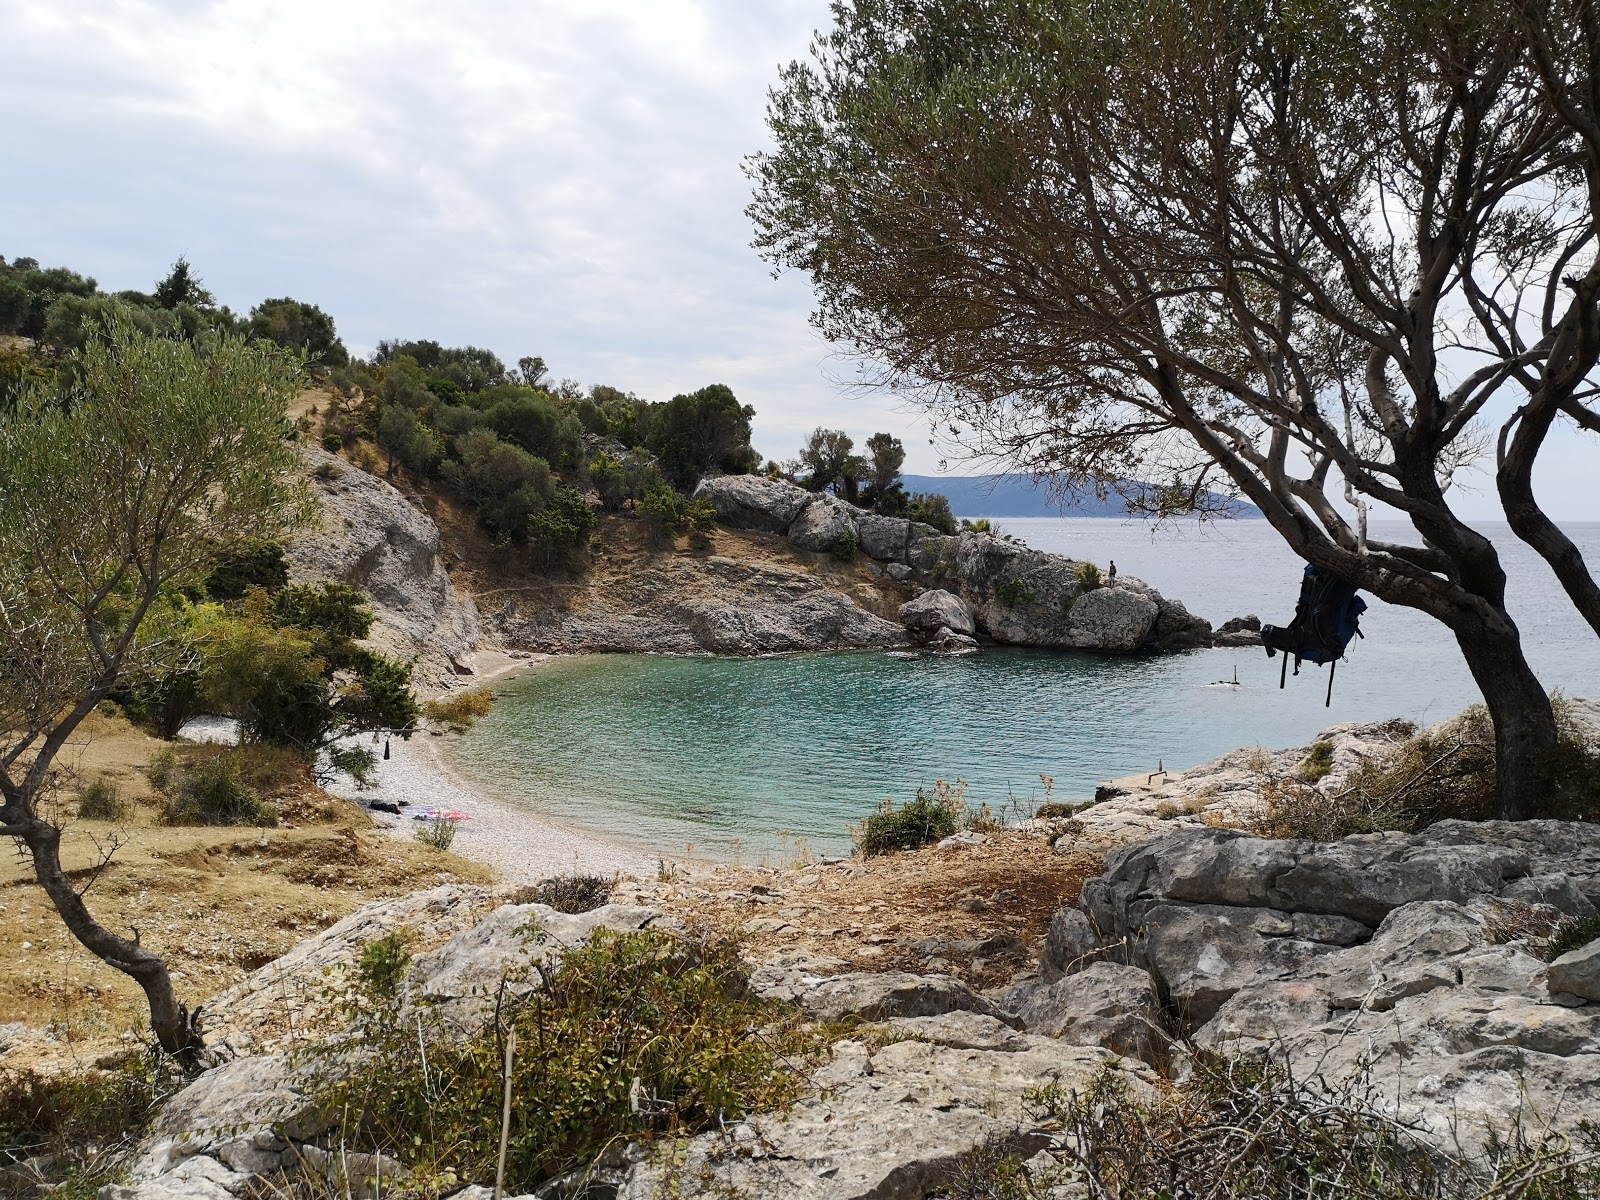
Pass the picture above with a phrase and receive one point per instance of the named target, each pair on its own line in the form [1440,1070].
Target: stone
[890,1126]
[888,539]
[1577,972]
[1105,1004]
[1111,619]
[754,501]
[878,997]
[961,1029]
[823,524]
[1069,944]
[461,979]
[1558,891]
[197,1178]
[946,642]
[936,611]
[898,572]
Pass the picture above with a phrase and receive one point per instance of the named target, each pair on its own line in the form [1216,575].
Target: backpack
[1326,617]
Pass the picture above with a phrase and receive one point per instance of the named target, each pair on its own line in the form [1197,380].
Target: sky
[551,177]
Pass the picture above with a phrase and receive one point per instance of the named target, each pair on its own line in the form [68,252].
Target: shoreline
[524,846]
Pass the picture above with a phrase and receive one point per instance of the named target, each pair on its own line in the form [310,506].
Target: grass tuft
[1572,934]
[575,893]
[101,801]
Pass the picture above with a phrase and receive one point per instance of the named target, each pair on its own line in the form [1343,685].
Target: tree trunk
[175,1029]
[1524,722]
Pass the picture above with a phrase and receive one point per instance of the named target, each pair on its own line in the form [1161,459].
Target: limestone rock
[1577,972]
[754,501]
[823,524]
[878,997]
[892,540]
[1069,944]
[890,1126]
[460,979]
[933,611]
[1113,619]
[374,539]
[948,642]
[1104,1004]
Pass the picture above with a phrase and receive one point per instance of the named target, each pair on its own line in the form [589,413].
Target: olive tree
[1301,252]
[112,498]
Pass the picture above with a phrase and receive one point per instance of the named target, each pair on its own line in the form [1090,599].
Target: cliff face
[374,539]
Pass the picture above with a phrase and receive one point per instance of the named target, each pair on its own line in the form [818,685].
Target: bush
[1013,592]
[1318,764]
[560,527]
[222,785]
[1574,933]
[101,801]
[332,443]
[1446,772]
[570,893]
[931,509]
[459,710]
[665,511]
[258,564]
[659,1037]
[931,817]
[844,550]
[1087,576]
[1236,1129]
[437,832]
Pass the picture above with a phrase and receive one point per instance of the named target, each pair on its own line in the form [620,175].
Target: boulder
[891,539]
[878,997]
[754,501]
[933,611]
[1577,972]
[948,642]
[1069,945]
[823,524]
[1111,619]
[1105,1004]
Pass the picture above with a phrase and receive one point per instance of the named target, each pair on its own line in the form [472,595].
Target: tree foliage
[164,458]
[707,430]
[1228,247]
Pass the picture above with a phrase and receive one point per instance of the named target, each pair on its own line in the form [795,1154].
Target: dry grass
[218,902]
[869,914]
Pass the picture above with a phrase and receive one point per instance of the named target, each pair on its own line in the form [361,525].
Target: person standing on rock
[1111,575]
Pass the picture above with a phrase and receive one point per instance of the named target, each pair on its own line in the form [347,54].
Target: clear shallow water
[732,755]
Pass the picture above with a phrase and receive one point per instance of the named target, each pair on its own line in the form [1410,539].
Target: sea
[753,759]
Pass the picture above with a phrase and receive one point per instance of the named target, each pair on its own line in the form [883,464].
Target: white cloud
[559,177]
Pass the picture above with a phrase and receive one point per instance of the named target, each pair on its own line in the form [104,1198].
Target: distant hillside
[1020,496]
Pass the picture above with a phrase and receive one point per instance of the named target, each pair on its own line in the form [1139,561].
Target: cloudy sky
[553,177]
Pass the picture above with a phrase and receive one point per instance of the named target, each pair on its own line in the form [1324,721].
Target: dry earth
[218,902]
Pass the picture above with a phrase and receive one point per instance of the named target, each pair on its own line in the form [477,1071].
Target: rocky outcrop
[1013,595]
[934,611]
[1405,956]
[887,1126]
[372,538]
[692,605]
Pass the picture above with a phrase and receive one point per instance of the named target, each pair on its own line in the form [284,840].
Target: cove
[735,757]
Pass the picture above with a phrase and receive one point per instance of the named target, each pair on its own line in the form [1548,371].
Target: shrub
[437,832]
[931,817]
[1013,592]
[845,548]
[931,509]
[258,564]
[101,801]
[1054,809]
[560,527]
[223,785]
[1430,776]
[665,511]
[659,1037]
[1318,764]
[1236,1128]
[570,893]
[332,443]
[1572,934]
[459,710]
[1087,576]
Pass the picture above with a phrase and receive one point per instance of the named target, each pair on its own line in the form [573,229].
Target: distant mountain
[1020,496]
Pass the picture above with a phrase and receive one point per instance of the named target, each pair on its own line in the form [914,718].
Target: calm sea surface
[734,756]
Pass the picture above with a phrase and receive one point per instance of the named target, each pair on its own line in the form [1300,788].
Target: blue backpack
[1326,617]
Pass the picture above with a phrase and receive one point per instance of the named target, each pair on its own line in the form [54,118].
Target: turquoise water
[732,756]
